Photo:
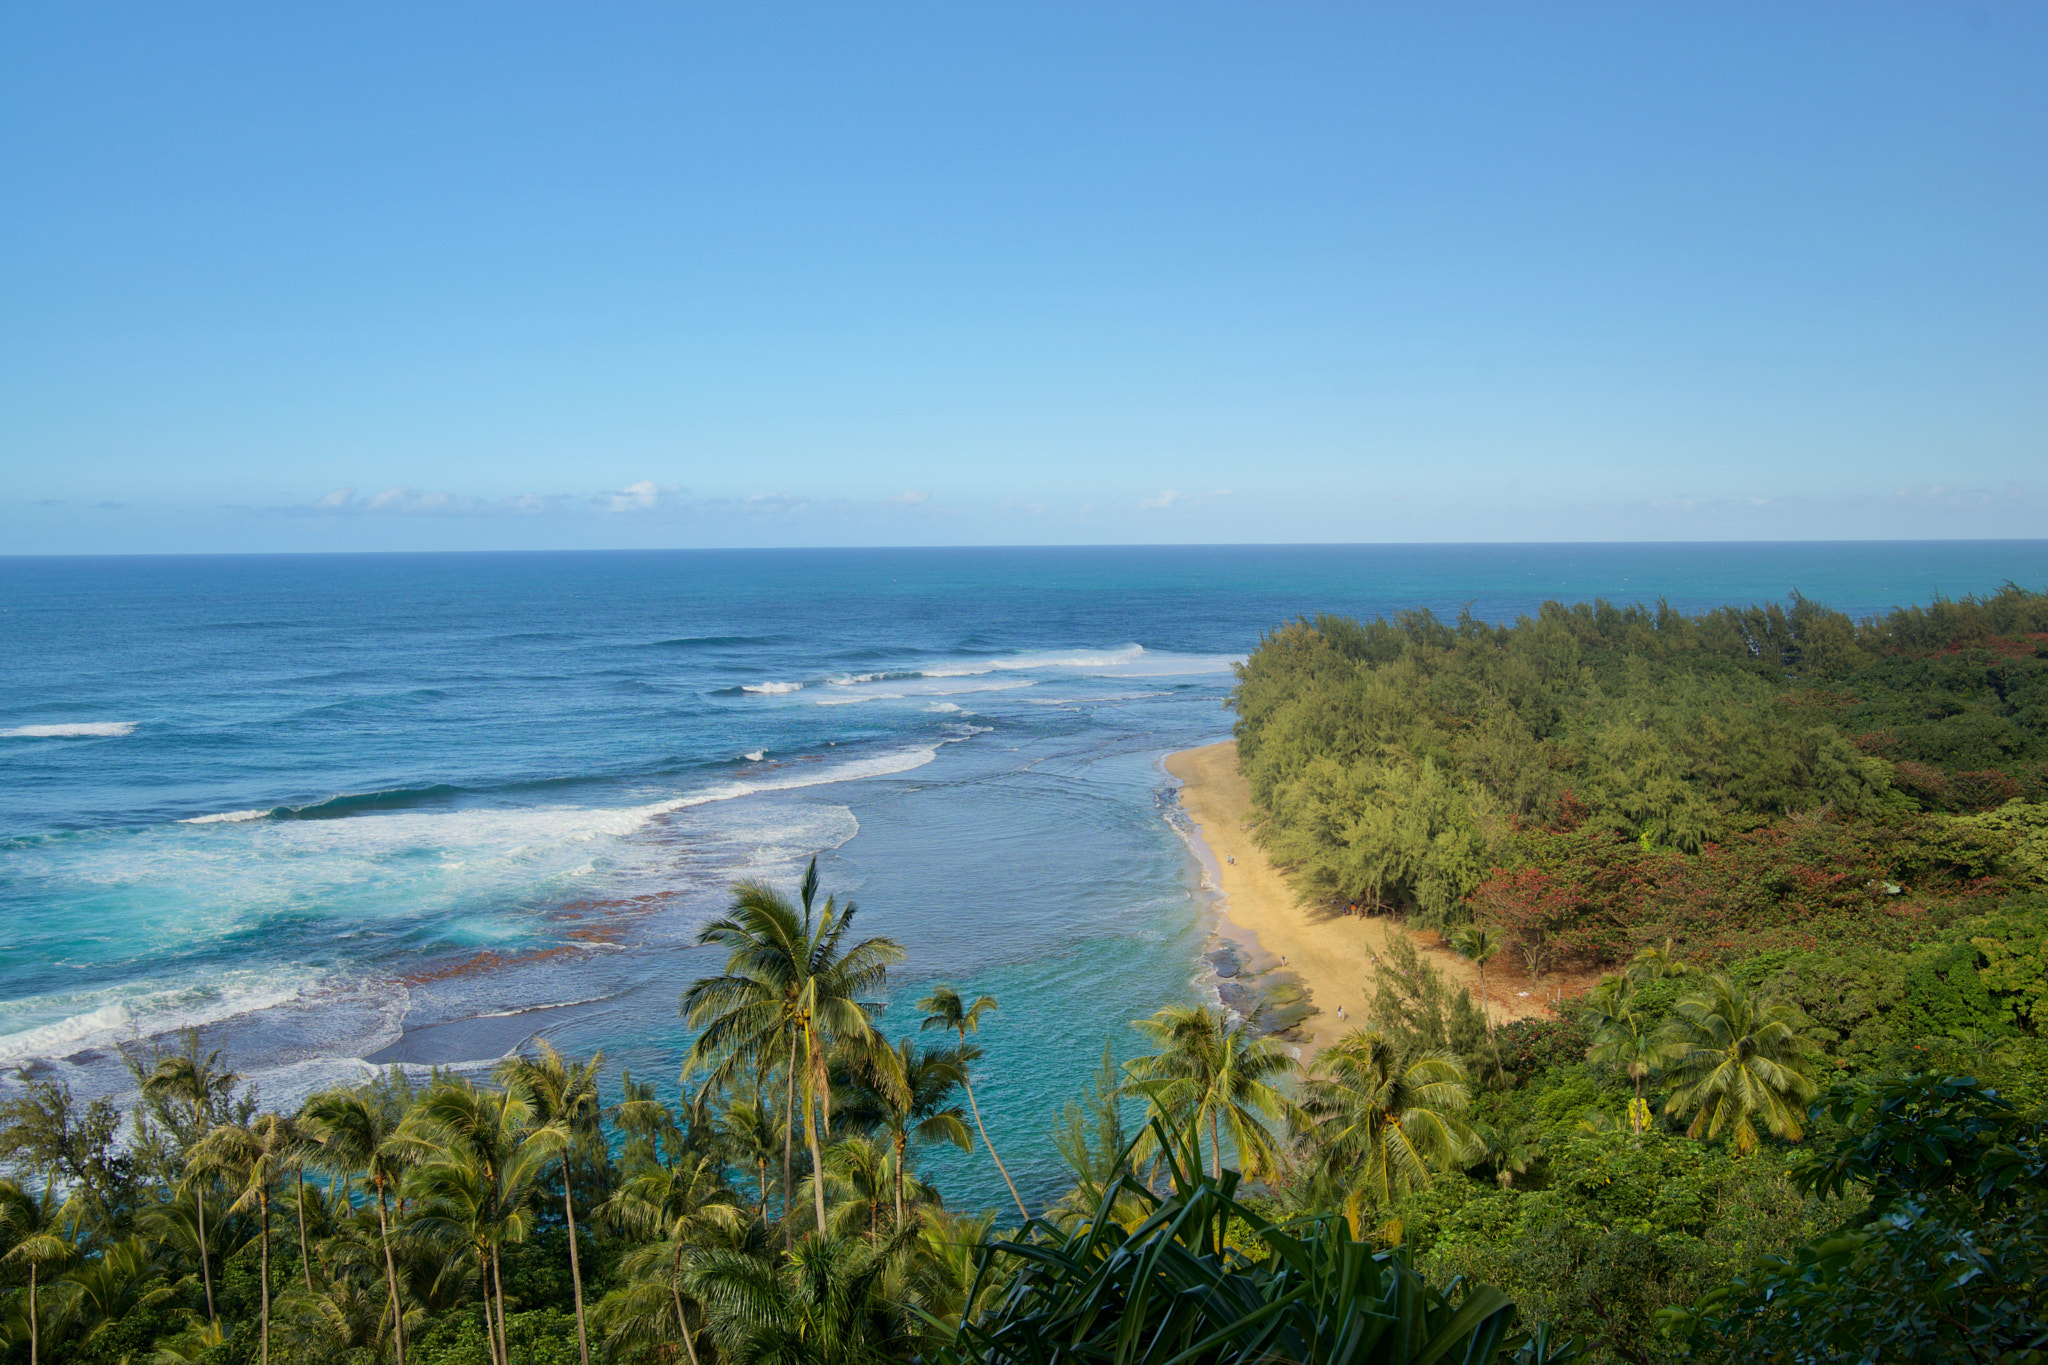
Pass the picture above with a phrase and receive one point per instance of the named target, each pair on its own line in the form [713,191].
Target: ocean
[345,811]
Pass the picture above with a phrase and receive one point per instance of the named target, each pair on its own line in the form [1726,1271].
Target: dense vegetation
[1807,861]
[1799,1116]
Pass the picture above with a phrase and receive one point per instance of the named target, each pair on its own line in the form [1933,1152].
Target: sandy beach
[1332,953]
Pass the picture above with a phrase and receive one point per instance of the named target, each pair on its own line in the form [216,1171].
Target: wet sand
[1331,952]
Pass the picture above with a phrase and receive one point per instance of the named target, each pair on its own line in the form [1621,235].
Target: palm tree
[790,991]
[1383,1122]
[1736,1055]
[564,1099]
[32,1227]
[648,1132]
[748,1131]
[475,1175]
[252,1153]
[1479,944]
[675,1208]
[943,1010]
[818,1306]
[1511,1150]
[201,1085]
[1622,1039]
[860,1172]
[904,1091]
[1208,1072]
[105,1290]
[1653,963]
[354,1132]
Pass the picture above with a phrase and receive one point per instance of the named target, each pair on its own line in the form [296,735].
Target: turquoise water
[356,809]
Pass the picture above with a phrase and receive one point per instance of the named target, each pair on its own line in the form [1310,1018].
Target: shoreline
[1332,954]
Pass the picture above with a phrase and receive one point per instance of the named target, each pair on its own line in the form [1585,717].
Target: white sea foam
[945,706]
[755,755]
[855,701]
[108,728]
[145,1008]
[773,689]
[67,1035]
[1087,659]
[226,817]
[881,765]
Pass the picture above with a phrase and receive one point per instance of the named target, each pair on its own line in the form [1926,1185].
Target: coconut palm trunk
[811,1138]
[1022,1212]
[391,1277]
[498,1284]
[33,1342]
[902,1150]
[263,1215]
[788,1147]
[675,1289]
[575,1268]
[205,1261]
[305,1247]
[491,1333]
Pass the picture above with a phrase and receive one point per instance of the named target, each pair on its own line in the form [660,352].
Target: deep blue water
[417,807]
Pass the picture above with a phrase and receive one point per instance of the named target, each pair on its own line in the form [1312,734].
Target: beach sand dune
[1331,952]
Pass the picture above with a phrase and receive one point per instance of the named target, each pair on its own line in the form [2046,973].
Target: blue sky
[509,276]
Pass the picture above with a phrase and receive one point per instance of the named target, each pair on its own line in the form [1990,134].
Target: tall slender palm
[749,1132]
[1382,1122]
[1735,1056]
[353,1133]
[475,1173]
[1208,1072]
[254,1154]
[32,1227]
[905,1091]
[200,1086]
[943,1010]
[1479,945]
[674,1208]
[791,990]
[564,1099]
[861,1172]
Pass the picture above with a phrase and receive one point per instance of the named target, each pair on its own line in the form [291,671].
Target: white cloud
[644,496]
[1162,502]
[406,501]
[911,498]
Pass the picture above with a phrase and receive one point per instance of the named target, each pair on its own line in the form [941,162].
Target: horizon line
[1027,545]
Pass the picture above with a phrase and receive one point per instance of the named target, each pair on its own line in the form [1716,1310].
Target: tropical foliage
[1791,1107]
[556,1213]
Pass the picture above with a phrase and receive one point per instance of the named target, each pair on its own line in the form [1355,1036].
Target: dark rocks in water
[91,1054]
[1238,996]
[1226,959]
[1287,1004]
[1276,1004]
